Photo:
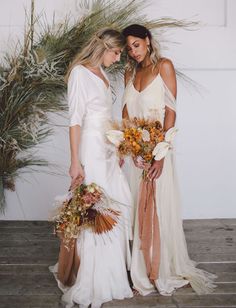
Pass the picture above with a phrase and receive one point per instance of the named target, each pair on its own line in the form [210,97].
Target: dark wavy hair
[142,32]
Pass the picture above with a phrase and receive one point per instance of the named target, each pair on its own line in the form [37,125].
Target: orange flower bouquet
[85,206]
[141,138]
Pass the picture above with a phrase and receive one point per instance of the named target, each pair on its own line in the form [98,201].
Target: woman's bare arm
[76,170]
[169,77]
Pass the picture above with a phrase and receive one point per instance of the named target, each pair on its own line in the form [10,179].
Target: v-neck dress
[175,269]
[102,274]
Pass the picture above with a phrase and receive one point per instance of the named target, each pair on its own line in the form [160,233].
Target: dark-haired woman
[150,93]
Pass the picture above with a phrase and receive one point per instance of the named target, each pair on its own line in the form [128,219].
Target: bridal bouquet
[85,206]
[142,138]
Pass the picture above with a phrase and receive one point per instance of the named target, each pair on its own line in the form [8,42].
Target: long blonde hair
[95,48]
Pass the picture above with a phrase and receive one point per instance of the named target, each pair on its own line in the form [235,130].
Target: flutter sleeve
[170,100]
[77,96]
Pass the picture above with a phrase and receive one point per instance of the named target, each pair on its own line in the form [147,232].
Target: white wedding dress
[102,274]
[176,269]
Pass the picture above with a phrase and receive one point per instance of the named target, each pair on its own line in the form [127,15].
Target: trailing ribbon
[149,232]
[68,263]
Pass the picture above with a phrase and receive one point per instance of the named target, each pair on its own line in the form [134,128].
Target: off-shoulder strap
[170,100]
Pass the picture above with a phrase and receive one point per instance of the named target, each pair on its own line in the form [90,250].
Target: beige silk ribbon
[149,231]
[68,263]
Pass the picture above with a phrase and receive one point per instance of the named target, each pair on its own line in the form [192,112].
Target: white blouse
[88,96]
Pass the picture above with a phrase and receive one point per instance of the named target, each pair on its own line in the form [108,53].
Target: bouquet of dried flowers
[141,138]
[85,206]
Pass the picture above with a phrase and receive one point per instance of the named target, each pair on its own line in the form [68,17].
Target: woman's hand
[140,163]
[77,174]
[155,170]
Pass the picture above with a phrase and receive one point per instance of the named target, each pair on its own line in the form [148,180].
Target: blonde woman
[99,262]
[150,93]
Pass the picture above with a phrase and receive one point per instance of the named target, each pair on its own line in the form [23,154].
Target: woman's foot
[135,292]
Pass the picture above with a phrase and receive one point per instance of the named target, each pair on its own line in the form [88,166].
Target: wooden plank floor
[27,248]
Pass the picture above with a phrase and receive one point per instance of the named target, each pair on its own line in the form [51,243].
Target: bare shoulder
[127,76]
[167,72]
[166,66]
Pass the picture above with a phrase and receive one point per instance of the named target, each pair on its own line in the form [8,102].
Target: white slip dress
[175,269]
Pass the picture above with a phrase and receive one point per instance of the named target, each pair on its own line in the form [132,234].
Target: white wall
[205,146]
